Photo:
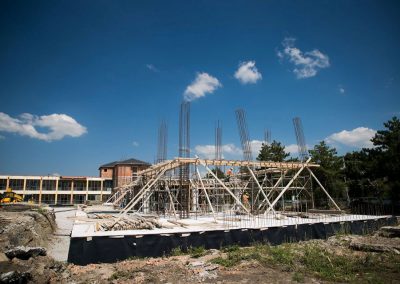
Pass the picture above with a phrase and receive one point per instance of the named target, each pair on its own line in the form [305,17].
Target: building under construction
[190,202]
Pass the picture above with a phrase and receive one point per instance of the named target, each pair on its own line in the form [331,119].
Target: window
[16,184]
[3,184]
[94,185]
[32,184]
[64,185]
[79,185]
[105,170]
[48,185]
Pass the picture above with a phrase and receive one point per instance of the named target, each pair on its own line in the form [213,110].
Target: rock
[15,277]
[25,252]
[197,263]
[389,232]
[373,247]
[3,257]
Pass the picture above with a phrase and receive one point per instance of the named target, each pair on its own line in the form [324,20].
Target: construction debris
[131,222]
[15,277]
[25,253]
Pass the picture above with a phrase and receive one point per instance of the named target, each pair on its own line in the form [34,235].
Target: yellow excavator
[10,196]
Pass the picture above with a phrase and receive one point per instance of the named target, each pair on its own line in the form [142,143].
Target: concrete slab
[59,247]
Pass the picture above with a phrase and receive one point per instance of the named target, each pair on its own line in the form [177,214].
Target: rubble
[25,253]
[131,222]
[15,277]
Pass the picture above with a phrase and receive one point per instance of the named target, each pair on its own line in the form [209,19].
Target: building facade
[69,190]
[63,190]
[122,172]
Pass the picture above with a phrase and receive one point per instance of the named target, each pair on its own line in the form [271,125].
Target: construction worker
[229,173]
[245,200]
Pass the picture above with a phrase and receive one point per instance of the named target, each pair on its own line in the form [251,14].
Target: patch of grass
[298,277]
[315,260]
[197,252]
[177,251]
[121,274]
[235,255]
[230,248]
[283,254]
[134,257]
[327,266]
[41,210]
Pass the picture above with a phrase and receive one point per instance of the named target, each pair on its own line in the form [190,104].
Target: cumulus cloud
[208,151]
[292,149]
[359,137]
[58,125]
[306,64]
[202,85]
[230,151]
[151,67]
[135,144]
[247,73]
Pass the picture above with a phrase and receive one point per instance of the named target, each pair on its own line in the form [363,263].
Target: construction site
[190,202]
[194,215]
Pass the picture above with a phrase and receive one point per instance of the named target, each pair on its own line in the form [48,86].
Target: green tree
[272,152]
[330,171]
[360,174]
[387,157]
[375,172]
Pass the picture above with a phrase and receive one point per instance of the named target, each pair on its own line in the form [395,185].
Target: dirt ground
[339,259]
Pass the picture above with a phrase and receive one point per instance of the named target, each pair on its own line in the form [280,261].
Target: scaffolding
[256,192]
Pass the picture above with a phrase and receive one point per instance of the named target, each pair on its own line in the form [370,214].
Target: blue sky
[87,82]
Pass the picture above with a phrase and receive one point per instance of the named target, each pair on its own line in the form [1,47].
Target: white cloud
[58,125]
[307,64]
[292,149]
[151,67]
[247,73]
[202,85]
[230,151]
[208,151]
[359,137]
[135,144]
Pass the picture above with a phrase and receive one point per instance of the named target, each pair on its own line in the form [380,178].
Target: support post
[324,190]
[260,188]
[287,186]
[224,186]
[205,192]
[56,196]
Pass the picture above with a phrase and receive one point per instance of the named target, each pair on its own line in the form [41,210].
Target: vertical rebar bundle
[218,141]
[162,142]
[184,152]
[184,130]
[244,134]
[267,136]
[301,142]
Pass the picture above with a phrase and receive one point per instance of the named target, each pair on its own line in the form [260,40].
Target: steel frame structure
[157,189]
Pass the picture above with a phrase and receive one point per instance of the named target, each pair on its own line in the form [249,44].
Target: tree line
[372,173]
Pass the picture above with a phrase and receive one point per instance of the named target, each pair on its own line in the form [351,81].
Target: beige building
[67,190]
[63,190]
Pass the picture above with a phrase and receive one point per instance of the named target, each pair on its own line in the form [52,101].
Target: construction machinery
[9,196]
